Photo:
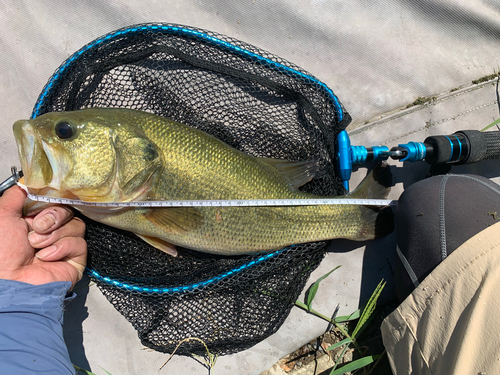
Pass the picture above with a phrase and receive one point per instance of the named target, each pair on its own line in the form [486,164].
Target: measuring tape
[214,203]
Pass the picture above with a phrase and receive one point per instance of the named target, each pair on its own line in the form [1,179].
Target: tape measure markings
[215,203]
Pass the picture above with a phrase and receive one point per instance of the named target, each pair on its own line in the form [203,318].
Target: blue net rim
[132,287]
[185,32]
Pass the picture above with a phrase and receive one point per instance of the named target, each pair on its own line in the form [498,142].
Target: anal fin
[160,244]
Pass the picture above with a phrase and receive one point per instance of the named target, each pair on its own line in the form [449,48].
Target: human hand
[41,249]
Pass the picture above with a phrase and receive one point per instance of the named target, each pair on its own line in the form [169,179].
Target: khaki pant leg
[450,324]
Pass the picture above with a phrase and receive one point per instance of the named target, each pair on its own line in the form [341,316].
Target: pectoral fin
[159,244]
[176,220]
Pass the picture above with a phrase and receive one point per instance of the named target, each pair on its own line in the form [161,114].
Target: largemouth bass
[120,155]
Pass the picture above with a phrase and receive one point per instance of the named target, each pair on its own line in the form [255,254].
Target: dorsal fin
[297,173]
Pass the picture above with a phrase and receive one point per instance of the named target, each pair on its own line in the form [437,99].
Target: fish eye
[64,130]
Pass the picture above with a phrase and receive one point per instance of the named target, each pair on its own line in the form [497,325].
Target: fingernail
[45,253]
[44,222]
[35,238]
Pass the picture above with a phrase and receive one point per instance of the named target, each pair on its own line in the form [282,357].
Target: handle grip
[492,145]
[462,147]
[482,145]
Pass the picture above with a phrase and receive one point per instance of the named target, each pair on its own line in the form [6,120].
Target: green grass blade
[316,313]
[311,292]
[85,287]
[340,343]
[347,318]
[105,371]
[368,310]
[355,365]
[491,125]
[302,305]
[340,358]
[79,369]
[364,326]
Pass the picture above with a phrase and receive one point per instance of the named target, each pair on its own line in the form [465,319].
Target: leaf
[347,318]
[340,343]
[364,326]
[340,358]
[355,365]
[314,312]
[491,125]
[368,310]
[311,292]
[302,305]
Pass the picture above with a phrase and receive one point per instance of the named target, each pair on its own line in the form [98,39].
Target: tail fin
[375,221]
[376,184]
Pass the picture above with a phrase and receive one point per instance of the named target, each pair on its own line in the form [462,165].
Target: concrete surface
[378,57]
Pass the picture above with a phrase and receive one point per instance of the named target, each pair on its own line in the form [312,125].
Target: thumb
[12,202]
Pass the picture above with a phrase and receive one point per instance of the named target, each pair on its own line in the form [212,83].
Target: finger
[73,228]
[50,219]
[12,201]
[72,250]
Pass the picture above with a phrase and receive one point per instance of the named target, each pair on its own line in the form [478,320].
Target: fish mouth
[35,163]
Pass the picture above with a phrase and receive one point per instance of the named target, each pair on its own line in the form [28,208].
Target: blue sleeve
[31,335]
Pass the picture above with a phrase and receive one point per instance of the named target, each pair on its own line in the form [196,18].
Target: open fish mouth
[35,163]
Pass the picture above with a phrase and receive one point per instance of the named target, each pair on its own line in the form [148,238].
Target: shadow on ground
[76,312]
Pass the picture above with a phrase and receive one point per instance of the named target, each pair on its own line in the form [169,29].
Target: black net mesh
[253,101]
